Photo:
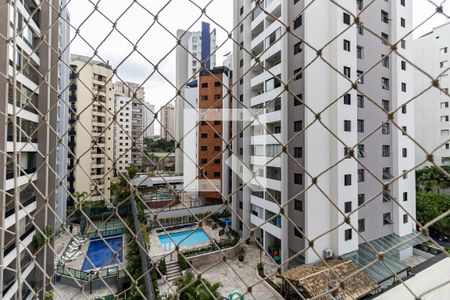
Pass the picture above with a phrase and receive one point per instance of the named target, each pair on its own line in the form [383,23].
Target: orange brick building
[213,132]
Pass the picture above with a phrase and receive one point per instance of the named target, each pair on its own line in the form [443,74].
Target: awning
[381,270]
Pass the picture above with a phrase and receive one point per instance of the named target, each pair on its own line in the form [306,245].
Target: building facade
[123,145]
[29,33]
[197,50]
[207,132]
[432,55]
[290,118]
[63,116]
[167,119]
[91,129]
[137,94]
[149,120]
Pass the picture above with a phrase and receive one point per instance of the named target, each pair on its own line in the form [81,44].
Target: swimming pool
[183,238]
[101,255]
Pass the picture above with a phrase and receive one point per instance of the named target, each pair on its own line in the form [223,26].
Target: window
[360,29]
[360,52]
[404,130]
[361,175]
[347,72]
[347,179]
[217,148]
[360,76]
[360,101]
[405,218]
[360,125]
[403,44]
[241,10]
[298,48]
[385,61]
[298,22]
[386,105]
[217,161]
[346,18]
[361,225]
[347,207]
[387,173]
[444,118]
[387,219]
[298,233]
[359,4]
[204,148]
[444,104]
[444,132]
[385,38]
[405,196]
[402,2]
[386,197]
[405,174]
[384,17]
[216,174]
[298,74]
[404,109]
[444,50]
[217,122]
[347,45]
[204,97]
[298,152]
[361,199]
[361,152]
[347,99]
[204,85]
[298,178]
[298,126]
[298,100]
[386,128]
[403,64]
[402,22]
[347,125]
[404,152]
[204,136]
[348,234]
[298,205]
[385,83]
[443,64]
[386,151]
[403,87]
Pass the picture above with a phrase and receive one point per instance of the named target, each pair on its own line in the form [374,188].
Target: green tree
[189,288]
[431,179]
[430,205]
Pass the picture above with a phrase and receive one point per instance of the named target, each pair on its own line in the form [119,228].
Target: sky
[135,25]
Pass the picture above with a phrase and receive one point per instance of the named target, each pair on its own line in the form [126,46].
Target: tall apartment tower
[29,35]
[149,120]
[196,51]
[63,116]
[432,54]
[206,173]
[91,128]
[167,119]
[137,94]
[123,133]
[292,118]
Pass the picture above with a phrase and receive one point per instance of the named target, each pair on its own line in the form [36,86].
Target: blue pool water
[101,255]
[181,238]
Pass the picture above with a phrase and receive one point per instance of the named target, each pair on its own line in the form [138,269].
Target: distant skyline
[159,41]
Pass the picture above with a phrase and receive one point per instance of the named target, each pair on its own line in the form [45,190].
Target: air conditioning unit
[328,253]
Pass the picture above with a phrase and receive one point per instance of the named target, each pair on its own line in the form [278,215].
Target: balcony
[28,207]
[26,239]
[269,227]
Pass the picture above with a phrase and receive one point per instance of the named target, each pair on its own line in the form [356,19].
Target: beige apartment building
[137,95]
[167,122]
[122,134]
[91,128]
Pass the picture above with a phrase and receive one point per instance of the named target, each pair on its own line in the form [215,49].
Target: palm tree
[190,288]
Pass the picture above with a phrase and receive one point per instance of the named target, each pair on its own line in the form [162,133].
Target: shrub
[162,267]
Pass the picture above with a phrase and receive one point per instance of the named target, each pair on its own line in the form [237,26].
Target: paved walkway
[236,276]
[65,292]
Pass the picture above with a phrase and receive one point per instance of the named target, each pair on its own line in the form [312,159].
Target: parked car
[437,235]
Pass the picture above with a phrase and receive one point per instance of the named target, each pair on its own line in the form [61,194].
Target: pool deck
[156,248]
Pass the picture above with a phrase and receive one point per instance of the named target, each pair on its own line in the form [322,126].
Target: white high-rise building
[348,113]
[197,50]
[149,120]
[123,133]
[432,55]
